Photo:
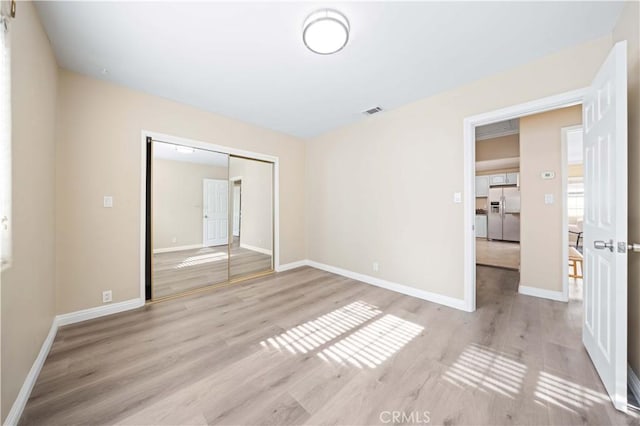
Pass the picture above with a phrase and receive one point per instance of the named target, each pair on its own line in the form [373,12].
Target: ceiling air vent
[372,111]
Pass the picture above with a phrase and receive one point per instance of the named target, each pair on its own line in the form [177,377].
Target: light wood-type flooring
[502,254]
[180,271]
[309,347]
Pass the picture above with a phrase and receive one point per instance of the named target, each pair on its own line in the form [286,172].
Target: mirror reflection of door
[252,217]
[190,205]
[215,212]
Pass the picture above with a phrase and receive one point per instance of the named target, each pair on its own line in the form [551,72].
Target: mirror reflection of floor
[180,271]
[498,253]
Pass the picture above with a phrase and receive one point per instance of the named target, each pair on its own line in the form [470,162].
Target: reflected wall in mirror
[190,220]
[251,216]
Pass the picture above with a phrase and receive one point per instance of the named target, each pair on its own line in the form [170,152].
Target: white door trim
[562,100]
[212,147]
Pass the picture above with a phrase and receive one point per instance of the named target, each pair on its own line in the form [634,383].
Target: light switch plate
[457,197]
[548,198]
[108,201]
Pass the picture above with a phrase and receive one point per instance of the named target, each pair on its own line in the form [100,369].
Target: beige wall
[627,29]
[28,302]
[256,224]
[99,144]
[541,239]
[498,148]
[177,201]
[402,168]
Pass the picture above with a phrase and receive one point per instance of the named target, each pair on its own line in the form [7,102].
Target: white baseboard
[634,382]
[25,391]
[58,321]
[177,248]
[292,265]
[258,249]
[398,288]
[540,292]
[98,311]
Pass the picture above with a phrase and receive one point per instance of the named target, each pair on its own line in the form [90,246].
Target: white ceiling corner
[246,60]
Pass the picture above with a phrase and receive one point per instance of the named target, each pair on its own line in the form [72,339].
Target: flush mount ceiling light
[325,31]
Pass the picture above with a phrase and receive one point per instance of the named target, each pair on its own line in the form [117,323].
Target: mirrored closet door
[251,218]
[190,219]
[210,219]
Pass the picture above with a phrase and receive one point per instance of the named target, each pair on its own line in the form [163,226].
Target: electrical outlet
[107,296]
[376,267]
[107,201]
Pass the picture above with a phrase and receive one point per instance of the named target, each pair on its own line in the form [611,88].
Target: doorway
[573,210]
[604,323]
[497,195]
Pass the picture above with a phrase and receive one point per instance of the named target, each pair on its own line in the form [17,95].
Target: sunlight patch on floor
[202,259]
[366,345]
[566,394]
[487,369]
[373,344]
[312,334]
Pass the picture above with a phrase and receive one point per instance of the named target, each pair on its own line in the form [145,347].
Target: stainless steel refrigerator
[504,213]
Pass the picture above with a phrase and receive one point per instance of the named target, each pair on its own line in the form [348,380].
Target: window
[575,202]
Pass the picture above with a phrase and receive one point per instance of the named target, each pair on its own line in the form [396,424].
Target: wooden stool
[575,257]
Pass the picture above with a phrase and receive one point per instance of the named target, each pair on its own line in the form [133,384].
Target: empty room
[305,213]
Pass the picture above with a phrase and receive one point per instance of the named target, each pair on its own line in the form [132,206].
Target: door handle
[601,245]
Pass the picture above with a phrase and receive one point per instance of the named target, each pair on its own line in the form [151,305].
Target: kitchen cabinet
[481,226]
[513,179]
[499,179]
[482,186]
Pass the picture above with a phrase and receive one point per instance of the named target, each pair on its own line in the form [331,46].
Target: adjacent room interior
[269,213]
[498,195]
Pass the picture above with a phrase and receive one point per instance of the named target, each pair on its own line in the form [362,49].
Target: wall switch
[108,201]
[457,197]
[548,198]
[375,266]
[107,296]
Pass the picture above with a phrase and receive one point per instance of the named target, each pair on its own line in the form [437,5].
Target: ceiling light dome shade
[325,31]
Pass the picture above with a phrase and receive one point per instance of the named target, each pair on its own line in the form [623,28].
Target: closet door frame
[146,249]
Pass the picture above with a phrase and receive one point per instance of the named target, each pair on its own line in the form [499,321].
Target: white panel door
[215,204]
[604,332]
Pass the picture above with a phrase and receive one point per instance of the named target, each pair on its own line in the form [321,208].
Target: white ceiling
[247,60]
[167,151]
